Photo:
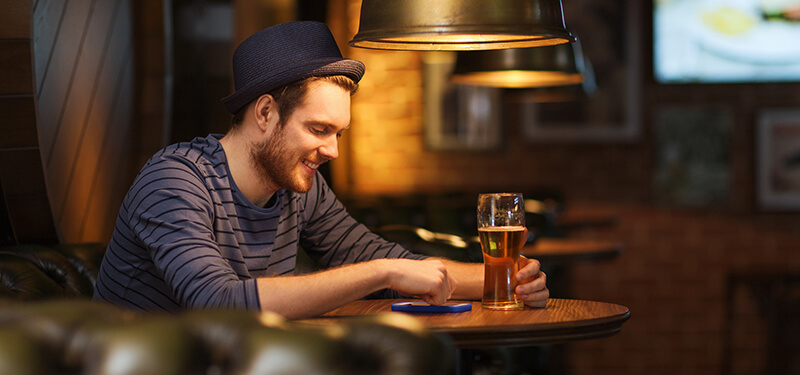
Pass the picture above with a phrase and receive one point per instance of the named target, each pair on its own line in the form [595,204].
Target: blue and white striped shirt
[186,237]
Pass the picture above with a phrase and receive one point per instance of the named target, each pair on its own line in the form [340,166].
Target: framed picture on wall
[778,159]
[458,117]
[692,155]
[609,109]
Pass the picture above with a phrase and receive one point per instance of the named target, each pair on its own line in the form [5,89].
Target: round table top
[563,320]
[569,250]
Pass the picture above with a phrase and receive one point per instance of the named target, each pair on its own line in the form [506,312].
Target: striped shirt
[186,237]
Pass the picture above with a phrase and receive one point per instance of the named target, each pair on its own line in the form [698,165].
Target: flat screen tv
[726,41]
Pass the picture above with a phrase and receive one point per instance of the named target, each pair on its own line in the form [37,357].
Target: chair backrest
[33,272]
[426,242]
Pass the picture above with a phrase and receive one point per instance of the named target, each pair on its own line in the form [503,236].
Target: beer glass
[501,229]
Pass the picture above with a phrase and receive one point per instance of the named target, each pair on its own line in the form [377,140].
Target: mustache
[317,160]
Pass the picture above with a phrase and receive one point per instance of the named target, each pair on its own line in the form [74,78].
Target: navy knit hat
[283,54]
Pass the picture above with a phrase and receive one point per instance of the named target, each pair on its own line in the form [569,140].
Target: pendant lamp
[559,65]
[457,25]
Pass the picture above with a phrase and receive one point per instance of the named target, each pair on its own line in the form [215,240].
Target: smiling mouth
[311,165]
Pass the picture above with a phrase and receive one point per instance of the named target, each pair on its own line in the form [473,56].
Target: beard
[277,165]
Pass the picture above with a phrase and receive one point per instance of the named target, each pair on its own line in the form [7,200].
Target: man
[216,222]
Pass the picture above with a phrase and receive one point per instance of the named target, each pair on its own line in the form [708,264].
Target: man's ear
[265,111]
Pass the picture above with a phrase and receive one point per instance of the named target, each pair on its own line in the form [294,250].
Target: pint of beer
[501,229]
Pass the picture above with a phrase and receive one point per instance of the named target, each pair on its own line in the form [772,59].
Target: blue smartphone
[423,307]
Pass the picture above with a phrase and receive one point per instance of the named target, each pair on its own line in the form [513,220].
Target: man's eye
[319,131]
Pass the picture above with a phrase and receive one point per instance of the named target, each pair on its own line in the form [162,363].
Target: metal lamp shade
[559,65]
[457,25]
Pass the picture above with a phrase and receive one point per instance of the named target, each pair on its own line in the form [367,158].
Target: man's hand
[428,280]
[532,286]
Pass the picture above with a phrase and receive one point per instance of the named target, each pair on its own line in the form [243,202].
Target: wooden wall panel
[15,20]
[89,93]
[47,18]
[87,159]
[19,112]
[81,154]
[101,214]
[26,196]
[153,67]
[27,213]
[66,105]
[15,56]
[59,73]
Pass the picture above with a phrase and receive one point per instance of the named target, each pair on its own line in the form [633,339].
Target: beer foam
[501,229]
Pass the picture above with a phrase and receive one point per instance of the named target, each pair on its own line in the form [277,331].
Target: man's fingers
[529,268]
[537,303]
[453,284]
[533,290]
[536,299]
[442,286]
[532,285]
[435,298]
[447,287]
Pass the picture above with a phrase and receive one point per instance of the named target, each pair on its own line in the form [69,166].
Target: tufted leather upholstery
[33,272]
[84,337]
[49,325]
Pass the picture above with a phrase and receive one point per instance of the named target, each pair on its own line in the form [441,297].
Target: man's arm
[311,295]
[469,280]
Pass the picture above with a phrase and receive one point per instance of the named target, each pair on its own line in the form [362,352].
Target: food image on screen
[726,41]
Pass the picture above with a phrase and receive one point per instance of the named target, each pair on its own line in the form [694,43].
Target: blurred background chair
[430,243]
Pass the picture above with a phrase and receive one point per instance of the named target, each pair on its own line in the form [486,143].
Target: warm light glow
[450,239]
[518,78]
[458,42]
[540,207]
[271,319]
[462,38]
[401,321]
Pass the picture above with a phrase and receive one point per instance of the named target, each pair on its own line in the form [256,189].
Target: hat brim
[352,69]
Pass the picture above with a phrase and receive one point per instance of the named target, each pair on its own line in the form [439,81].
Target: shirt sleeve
[333,238]
[172,215]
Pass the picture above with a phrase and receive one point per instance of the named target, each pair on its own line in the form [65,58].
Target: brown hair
[290,96]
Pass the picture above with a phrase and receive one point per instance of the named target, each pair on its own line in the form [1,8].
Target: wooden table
[563,320]
[567,250]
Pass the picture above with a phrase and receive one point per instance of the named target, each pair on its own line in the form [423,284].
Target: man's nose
[330,150]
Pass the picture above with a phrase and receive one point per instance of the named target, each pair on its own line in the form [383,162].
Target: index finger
[530,268]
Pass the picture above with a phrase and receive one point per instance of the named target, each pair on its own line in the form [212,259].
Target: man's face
[291,154]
